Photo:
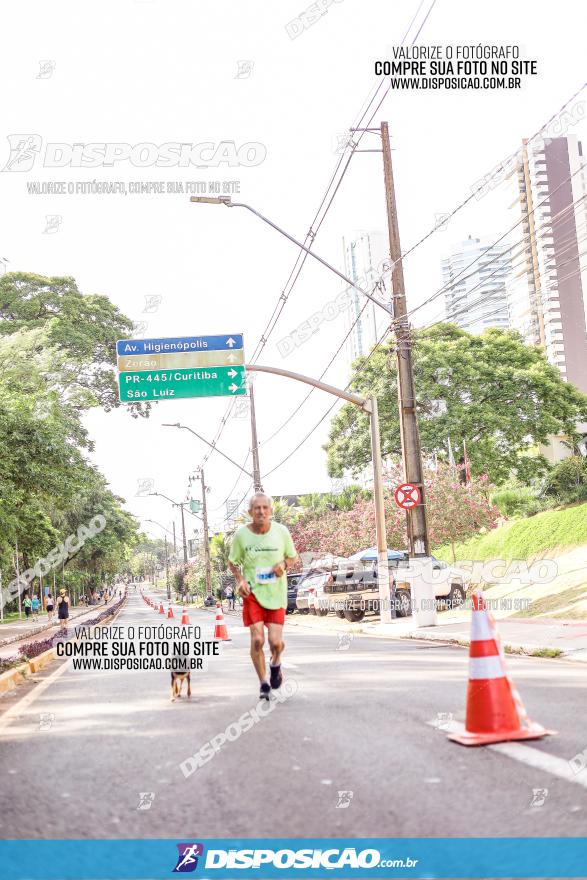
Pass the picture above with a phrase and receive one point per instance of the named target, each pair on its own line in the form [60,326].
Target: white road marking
[17,709]
[525,755]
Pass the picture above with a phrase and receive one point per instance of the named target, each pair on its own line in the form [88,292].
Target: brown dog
[177,680]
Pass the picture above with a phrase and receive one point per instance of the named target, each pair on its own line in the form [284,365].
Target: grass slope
[525,538]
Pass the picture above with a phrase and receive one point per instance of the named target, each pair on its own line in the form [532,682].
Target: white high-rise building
[474,276]
[548,289]
[366,255]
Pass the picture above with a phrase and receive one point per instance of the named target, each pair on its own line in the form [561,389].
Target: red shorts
[253,612]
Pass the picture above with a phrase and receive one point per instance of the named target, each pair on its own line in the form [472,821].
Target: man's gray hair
[260,495]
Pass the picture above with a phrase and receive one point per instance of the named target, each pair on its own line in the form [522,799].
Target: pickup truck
[354,590]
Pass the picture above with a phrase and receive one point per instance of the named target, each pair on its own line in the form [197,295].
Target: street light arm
[175,503]
[363,403]
[226,200]
[386,308]
[212,446]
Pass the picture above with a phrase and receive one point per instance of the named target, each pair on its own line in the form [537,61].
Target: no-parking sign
[407,496]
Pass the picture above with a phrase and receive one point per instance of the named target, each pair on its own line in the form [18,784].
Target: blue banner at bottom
[377,857]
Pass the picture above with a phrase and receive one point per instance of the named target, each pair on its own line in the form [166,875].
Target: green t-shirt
[256,555]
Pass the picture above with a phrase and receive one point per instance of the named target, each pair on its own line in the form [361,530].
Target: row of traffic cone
[220,628]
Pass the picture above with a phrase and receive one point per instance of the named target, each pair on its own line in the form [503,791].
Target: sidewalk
[522,635]
[12,635]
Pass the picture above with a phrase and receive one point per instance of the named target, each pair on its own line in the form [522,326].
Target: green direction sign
[175,384]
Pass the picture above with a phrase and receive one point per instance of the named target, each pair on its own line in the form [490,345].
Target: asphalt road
[362,720]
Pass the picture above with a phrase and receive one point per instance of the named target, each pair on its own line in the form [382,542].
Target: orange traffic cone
[495,712]
[185,620]
[220,630]
[161,609]
[169,611]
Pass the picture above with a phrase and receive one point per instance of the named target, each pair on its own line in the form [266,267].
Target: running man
[260,555]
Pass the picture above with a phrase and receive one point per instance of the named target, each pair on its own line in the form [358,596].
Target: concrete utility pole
[200,476]
[411,451]
[369,406]
[185,546]
[254,443]
[167,571]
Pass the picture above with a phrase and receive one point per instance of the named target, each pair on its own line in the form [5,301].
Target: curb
[12,678]
[526,650]
[34,632]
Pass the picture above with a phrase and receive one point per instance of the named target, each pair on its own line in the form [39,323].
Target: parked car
[292,591]
[307,588]
[355,591]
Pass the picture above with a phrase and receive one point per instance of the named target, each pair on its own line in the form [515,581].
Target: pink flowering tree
[455,512]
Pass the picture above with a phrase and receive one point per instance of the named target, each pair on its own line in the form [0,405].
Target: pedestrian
[27,605]
[35,606]
[50,607]
[260,555]
[63,607]
[230,596]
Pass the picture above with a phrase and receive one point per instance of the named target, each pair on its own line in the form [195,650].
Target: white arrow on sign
[233,387]
[232,373]
[231,358]
[230,342]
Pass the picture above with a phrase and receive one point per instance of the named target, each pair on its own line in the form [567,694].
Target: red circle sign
[407,496]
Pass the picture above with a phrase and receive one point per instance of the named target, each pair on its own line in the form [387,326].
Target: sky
[153,72]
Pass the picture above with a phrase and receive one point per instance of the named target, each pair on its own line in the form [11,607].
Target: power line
[312,232]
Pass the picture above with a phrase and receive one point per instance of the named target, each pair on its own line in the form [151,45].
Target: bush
[512,502]
[33,649]
[568,479]
[7,663]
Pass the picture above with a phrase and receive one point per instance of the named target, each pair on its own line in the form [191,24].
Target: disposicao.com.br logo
[25,148]
[325,859]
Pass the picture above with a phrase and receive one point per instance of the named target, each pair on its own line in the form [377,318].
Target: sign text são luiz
[186,366]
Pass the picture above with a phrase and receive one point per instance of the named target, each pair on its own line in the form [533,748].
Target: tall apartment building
[365,256]
[547,292]
[474,277]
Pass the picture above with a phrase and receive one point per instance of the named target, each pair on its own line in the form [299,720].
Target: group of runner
[32,605]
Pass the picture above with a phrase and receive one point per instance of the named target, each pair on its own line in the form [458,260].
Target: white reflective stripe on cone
[486,667]
[481,629]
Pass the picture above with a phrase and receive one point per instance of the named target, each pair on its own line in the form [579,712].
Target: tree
[455,512]
[219,550]
[81,330]
[497,394]
[567,481]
